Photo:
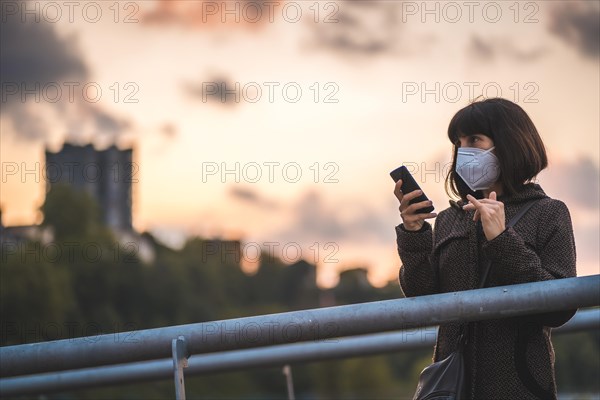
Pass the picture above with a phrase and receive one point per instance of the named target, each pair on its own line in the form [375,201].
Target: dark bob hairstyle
[518,145]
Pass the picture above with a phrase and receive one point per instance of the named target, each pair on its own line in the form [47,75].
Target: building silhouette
[105,174]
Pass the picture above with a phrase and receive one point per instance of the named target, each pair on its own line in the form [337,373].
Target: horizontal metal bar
[305,325]
[364,345]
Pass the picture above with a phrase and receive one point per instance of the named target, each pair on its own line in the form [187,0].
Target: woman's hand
[411,220]
[491,213]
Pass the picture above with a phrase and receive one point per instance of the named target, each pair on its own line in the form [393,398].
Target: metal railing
[202,364]
[324,326]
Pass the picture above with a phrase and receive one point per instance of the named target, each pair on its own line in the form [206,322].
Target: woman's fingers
[428,215]
[491,213]
[415,221]
[485,201]
[407,198]
[398,190]
[476,203]
[416,206]
[408,212]
[418,217]
[471,207]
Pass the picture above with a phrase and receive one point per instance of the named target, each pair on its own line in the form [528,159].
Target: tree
[72,213]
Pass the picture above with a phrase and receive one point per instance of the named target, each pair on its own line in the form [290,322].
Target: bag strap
[464,333]
[465,330]
[522,211]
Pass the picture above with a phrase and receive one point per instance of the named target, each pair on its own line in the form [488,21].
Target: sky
[277,123]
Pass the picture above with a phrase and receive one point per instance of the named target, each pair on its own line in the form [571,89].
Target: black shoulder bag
[445,379]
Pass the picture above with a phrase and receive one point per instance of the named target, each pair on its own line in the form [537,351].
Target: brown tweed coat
[539,247]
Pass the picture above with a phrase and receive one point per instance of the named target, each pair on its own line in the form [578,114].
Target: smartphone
[408,185]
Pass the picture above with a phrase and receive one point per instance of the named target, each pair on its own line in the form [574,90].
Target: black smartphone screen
[409,184]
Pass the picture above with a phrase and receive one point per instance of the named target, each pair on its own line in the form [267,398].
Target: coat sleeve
[416,275]
[514,262]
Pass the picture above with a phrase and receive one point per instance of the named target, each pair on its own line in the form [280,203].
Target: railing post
[180,354]
[287,371]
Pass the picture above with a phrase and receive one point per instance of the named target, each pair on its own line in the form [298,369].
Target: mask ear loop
[488,150]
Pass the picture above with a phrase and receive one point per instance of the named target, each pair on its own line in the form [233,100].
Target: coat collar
[529,191]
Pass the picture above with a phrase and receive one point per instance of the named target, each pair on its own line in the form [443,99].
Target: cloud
[33,52]
[34,57]
[578,23]
[210,14]
[481,49]
[313,218]
[350,222]
[216,90]
[586,243]
[489,49]
[252,198]
[168,131]
[363,28]
[576,183]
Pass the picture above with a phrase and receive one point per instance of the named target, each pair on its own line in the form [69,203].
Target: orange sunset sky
[332,96]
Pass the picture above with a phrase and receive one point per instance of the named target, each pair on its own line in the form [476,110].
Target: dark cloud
[29,125]
[32,52]
[251,197]
[33,55]
[578,23]
[217,90]
[481,49]
[108,124]
[489,49]
[360,28]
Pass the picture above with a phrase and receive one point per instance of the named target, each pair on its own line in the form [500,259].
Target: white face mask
[478,168]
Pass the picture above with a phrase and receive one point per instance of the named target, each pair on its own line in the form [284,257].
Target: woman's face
[479,141]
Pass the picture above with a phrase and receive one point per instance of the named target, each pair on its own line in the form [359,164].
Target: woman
[505,358]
